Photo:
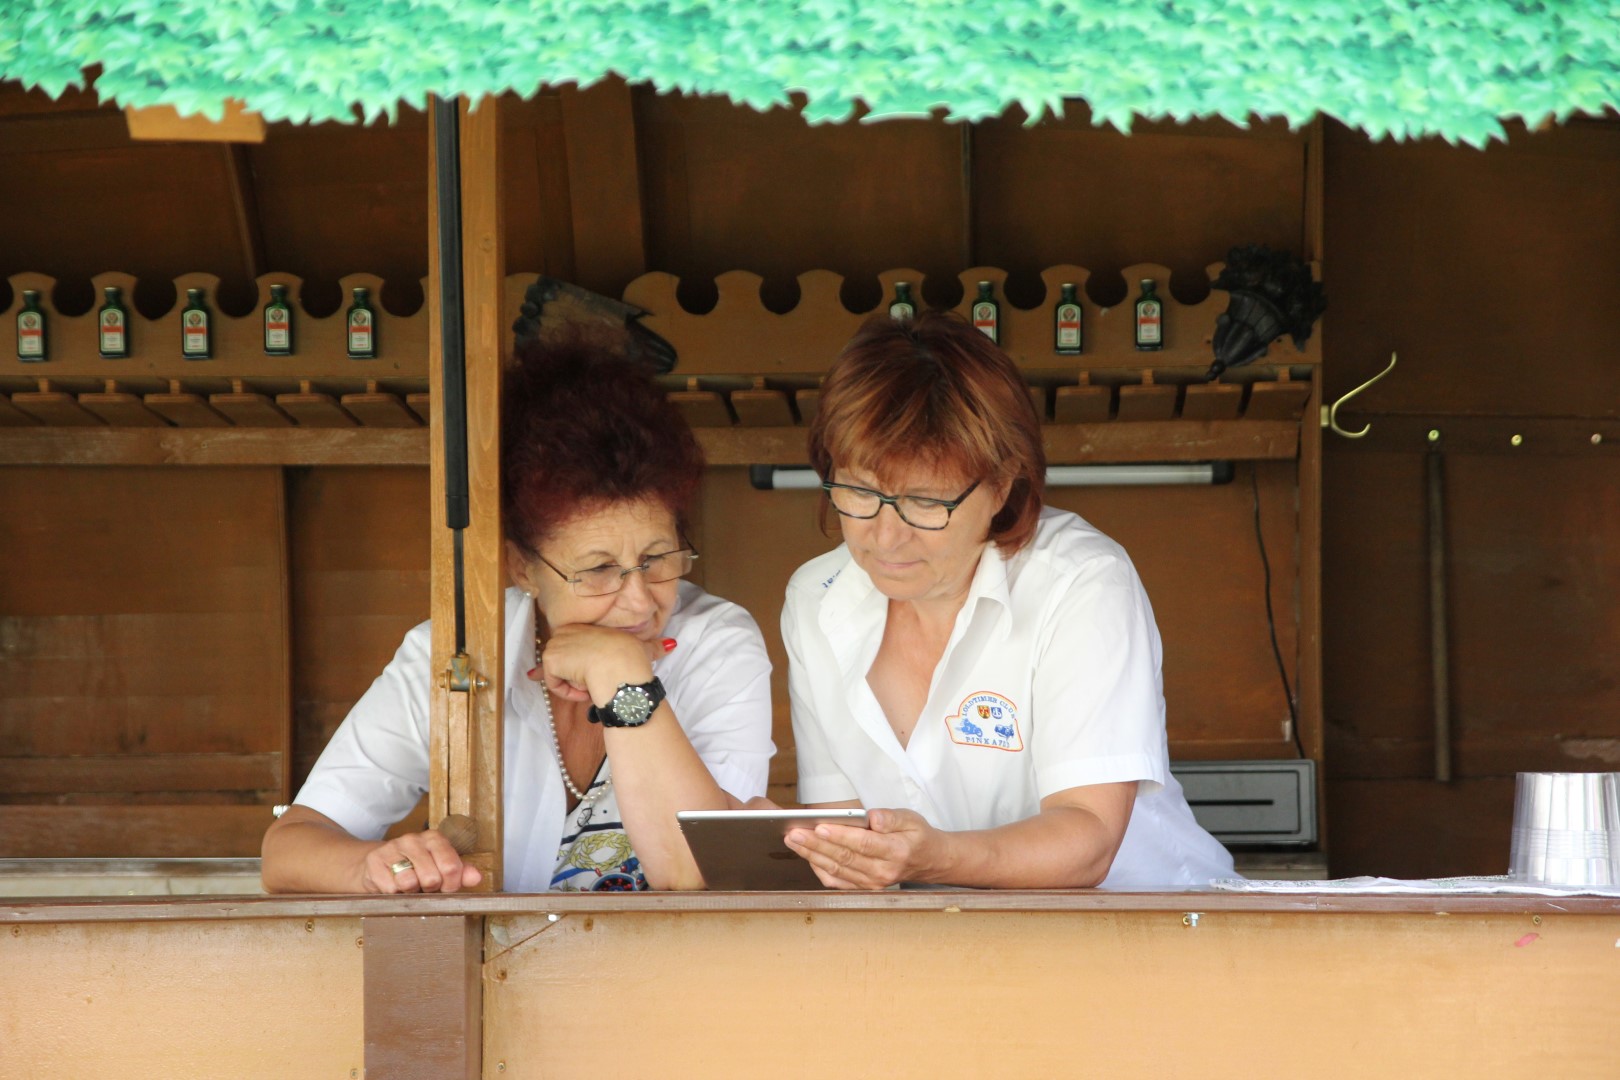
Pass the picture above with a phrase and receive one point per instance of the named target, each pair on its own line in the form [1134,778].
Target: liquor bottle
[1068,337]
[1149,318]
[987,313]
[31,330]
[904,307]
[278,334]
[113,322]
[196,342]
[362,327]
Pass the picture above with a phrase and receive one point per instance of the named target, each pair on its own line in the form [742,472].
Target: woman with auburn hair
[980,673]
[630,694]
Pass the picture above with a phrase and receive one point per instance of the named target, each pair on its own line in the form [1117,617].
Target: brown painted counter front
[913,983]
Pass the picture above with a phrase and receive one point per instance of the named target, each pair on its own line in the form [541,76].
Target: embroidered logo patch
[986,719]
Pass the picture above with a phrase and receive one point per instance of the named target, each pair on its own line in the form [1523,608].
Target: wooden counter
[916,983]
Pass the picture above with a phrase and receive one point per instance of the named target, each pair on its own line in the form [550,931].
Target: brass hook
[1330,413]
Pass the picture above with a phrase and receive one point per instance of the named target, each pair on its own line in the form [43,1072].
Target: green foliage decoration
[1402,68]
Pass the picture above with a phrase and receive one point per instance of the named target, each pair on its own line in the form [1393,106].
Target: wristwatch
[631,706]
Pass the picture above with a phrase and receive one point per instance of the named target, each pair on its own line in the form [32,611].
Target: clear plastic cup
[1566,828]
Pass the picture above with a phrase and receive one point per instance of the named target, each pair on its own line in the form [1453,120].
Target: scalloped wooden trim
[741,337]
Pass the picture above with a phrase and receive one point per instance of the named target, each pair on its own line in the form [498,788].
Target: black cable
[1271,618]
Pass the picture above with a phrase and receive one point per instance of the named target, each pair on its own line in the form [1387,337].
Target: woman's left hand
[897,845]
[582,662]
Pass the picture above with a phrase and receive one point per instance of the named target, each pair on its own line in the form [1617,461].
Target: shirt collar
[853,612]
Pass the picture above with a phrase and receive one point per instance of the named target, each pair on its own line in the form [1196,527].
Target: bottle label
[360,332]
[30,335]
[902,310]
[112,331]
[277,328]
[1068,326]
[1149,330]
[984,319]
[194,339]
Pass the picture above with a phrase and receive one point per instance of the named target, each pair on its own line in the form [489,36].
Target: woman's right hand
[434,866]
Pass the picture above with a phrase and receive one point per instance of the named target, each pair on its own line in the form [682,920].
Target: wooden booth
[210,559]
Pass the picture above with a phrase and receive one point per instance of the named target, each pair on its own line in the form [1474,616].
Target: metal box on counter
[1252,802]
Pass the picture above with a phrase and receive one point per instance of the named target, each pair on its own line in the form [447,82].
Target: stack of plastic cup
[1566,829]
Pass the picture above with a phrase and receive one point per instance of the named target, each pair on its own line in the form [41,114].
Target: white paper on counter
[1453,886]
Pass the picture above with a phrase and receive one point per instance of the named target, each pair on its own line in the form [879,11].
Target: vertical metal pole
[1439,635]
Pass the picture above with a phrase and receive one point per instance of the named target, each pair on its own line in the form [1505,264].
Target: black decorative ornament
[554,306]
[1273,294]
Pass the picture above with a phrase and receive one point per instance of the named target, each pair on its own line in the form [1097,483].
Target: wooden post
[424,1001]
[1311,711]
[465,742]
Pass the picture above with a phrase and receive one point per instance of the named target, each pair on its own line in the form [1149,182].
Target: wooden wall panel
[1492,272]
[144,618]
[337,199]
[83,198]
[1225,997]
[1196,552]
[252,999]
[1535,640]
[1489,272]
[727,188]
[319,201]
[359,564]
[1418,828]
[1067,192]
[535,194]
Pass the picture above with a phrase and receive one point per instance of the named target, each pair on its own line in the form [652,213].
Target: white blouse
[375,769]
[1050,680]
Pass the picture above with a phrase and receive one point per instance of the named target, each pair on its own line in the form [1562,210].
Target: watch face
[632,705]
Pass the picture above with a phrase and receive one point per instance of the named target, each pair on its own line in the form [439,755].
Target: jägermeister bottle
[1149,318]
[904,307]
[31,330]
[987,313]
[113,323]
[1067,333]
[362,327]
[278,334]
[196,343]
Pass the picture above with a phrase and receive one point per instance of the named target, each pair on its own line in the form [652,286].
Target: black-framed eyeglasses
[603,580]
[914,510]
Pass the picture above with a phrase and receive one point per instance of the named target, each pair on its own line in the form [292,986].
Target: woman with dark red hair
[980,673]
[631,694]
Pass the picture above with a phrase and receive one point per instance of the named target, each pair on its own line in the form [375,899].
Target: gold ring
[401,866]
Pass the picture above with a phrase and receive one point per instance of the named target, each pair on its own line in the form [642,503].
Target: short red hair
[935,392]
[583,428]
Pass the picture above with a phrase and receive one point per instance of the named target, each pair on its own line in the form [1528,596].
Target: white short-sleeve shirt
[375,769]
[1050,680]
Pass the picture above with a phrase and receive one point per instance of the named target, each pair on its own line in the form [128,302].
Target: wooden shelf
[213,446]
[1066,444]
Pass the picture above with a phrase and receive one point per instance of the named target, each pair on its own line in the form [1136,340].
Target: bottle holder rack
[741,364]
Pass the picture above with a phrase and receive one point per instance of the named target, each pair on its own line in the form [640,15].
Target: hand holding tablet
[743,849]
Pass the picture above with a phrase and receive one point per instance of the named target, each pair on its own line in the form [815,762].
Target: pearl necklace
[556,743]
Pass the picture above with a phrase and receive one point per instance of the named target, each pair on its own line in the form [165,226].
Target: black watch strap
[631,706]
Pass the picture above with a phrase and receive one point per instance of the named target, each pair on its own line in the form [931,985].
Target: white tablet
[739,850]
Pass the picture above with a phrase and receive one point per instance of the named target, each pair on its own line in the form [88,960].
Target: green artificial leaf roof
[1453,68]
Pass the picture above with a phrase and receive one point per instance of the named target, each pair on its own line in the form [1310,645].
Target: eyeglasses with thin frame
[914,510]
[604,580]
